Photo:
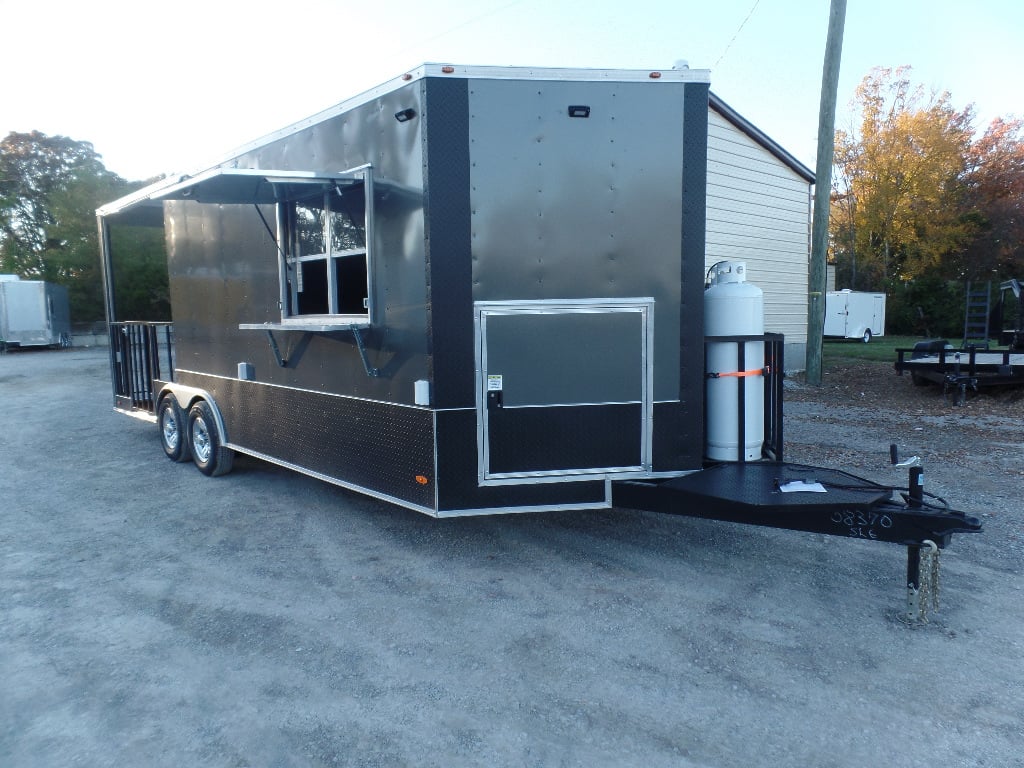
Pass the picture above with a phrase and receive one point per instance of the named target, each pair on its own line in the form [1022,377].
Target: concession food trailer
[479,290]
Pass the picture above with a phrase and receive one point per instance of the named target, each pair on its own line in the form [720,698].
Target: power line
[478,17]
[742,25]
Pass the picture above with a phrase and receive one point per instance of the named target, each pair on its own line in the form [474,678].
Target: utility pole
[823,189]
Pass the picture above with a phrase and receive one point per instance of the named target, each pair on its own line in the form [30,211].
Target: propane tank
[734,307]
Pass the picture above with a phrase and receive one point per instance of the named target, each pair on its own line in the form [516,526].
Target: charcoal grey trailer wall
[488,191]
[224,268]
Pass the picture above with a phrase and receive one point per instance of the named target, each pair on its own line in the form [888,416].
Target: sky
[163,87]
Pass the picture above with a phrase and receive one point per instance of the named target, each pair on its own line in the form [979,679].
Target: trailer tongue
[813,499]
[799,498]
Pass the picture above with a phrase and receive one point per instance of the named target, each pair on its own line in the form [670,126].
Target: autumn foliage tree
[995,203]
[920,204]
[897,210]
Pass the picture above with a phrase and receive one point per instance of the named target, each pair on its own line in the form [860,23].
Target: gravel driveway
[151,616]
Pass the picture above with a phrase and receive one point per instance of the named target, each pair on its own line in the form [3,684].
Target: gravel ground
[980,442]
[859,382]
[150,616]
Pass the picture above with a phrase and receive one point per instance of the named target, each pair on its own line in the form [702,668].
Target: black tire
[206,442]
[867,336]
[170,420]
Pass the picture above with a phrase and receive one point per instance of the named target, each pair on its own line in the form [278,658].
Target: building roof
[755,133]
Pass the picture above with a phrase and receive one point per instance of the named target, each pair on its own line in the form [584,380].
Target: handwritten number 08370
[861,523]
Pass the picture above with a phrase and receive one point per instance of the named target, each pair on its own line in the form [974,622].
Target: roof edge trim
[759,136]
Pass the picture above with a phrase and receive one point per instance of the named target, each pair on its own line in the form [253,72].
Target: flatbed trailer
[958,370]
[482,291]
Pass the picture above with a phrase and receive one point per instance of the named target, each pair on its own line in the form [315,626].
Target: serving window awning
[238,186]
[252,186]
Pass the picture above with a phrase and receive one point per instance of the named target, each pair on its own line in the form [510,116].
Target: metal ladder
[977,308]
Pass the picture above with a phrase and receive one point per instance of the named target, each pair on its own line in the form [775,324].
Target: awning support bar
[370,370]
[281,361]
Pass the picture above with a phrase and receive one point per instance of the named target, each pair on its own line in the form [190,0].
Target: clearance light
[407,77]
[422,479]
[447,69]
[654,75]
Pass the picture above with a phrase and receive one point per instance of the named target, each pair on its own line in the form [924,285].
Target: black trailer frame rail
[139,353]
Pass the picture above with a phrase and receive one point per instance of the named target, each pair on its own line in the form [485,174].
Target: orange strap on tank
[738,374]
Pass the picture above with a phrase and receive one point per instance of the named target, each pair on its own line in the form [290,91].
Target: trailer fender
[189,396]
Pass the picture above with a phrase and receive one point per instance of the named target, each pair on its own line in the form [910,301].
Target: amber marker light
[422,479]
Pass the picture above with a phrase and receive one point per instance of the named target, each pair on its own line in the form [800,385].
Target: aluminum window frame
[289,258]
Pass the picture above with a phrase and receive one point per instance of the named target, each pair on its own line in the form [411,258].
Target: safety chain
[929,587]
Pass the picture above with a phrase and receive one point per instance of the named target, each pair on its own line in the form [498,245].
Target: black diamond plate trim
[457,475]
[378,446]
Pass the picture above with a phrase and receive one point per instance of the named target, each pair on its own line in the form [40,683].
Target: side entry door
[564,389]
[878,315]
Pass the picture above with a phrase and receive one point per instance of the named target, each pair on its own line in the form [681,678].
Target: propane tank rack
[772,372]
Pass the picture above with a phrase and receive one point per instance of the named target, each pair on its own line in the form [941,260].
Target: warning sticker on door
[494,382]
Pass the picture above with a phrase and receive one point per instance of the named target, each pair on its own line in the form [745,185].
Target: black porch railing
[140,352]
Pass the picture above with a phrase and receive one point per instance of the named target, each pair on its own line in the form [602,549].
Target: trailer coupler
[813,499]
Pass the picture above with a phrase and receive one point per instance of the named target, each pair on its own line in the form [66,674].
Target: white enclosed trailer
[33,313]
[854,314]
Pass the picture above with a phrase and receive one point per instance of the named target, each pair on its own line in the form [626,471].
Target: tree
[50,188]
[33,167]
[995,203]
[71,256]
[140,273]
[897,210]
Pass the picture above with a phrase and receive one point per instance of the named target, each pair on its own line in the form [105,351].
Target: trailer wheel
[208,451]
[173,431]
[867,336]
